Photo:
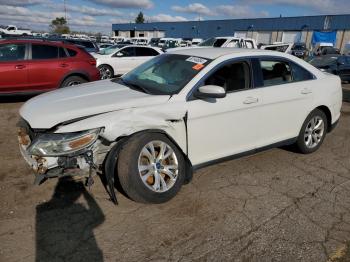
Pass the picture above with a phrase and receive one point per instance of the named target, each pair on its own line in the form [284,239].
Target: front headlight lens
[62,144]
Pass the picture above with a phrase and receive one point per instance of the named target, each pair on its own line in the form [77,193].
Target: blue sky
[98,15]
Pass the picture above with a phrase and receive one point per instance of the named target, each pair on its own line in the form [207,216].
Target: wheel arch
[328,114]
[77,73]
[106,64]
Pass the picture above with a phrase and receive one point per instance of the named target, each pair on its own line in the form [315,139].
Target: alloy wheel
[314,132]
[105,72]
[158,166]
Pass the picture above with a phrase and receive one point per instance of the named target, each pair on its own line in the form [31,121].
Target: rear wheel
[72,81]
[151,169]
[313,132]
[106,71]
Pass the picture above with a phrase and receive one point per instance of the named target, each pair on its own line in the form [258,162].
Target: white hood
[50,109]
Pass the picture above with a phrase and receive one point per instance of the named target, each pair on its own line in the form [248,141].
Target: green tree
[140,19]
[59,26]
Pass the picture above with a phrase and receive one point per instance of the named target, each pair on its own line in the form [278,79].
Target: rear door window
[44,52]
[275,72]
[12,52]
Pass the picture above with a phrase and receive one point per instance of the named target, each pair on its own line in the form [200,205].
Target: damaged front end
[53,154]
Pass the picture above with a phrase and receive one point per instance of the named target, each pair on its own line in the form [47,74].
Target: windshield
[166,74]
[321,60]
[299,47]
[215,42]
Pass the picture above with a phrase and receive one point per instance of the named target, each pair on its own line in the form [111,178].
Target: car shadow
[346,95]
[64,228]
[15,98]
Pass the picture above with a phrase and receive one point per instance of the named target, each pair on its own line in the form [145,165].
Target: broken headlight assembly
[57,144]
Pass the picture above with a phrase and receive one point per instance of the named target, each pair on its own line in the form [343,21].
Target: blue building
[263,30]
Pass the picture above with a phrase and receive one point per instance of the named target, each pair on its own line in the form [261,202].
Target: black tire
[128,171]
[301,143]
[106,71]
[72,81]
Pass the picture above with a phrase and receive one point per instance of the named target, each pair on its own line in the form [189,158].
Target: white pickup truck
[13,30]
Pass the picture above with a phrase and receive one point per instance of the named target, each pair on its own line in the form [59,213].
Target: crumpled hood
[50,109]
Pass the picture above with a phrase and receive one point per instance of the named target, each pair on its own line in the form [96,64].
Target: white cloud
[318,6]
[231,11]
[164,18]
[22,2]
[125,3]
[238,11]
[88,10]
[195,8]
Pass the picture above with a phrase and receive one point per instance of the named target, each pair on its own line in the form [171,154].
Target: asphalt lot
[273,206]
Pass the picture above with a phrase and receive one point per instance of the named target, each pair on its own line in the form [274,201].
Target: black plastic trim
[246,153]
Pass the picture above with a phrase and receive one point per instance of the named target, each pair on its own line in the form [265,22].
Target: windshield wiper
[134,86]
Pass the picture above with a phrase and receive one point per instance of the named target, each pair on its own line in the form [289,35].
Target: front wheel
[151,169]
[313,132]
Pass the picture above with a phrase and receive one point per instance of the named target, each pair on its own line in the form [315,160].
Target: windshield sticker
[196,60]
[197,67]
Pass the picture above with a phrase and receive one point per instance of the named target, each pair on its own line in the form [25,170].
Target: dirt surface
[273,206]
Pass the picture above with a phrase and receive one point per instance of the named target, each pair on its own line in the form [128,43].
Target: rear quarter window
[300,74]
[72,52]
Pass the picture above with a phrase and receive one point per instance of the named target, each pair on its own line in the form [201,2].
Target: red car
[33,66]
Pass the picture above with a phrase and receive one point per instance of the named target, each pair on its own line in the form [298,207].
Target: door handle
[250,100]
[20,66]
[306,91]
[64,65]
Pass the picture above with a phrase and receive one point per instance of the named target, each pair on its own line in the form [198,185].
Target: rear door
[46,68]
[13,68]
[287,93]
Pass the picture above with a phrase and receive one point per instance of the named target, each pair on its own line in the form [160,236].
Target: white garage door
[264,38]
[241,34]
[291,37]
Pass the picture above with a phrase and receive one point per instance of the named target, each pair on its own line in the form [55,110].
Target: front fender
[170,119]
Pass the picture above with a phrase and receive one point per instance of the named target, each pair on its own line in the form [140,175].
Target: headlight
[62,144]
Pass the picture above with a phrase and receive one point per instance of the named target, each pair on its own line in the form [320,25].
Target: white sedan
[124,59]
[176,113]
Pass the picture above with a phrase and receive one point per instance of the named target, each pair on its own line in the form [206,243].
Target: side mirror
[210,91]
[119,54]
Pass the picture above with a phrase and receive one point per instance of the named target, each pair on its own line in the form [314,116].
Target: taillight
[92,61]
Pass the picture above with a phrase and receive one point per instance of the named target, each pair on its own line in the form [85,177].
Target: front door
[221,127]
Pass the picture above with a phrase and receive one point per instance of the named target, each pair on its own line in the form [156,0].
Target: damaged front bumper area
[56,155]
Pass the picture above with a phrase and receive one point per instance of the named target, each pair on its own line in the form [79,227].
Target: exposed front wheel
[313,132]
[106,72]
[151,168]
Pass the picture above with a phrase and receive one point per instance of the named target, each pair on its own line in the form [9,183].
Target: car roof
[37,41]
[215,52]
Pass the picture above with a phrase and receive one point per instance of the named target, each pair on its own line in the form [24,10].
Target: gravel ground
[273,206]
